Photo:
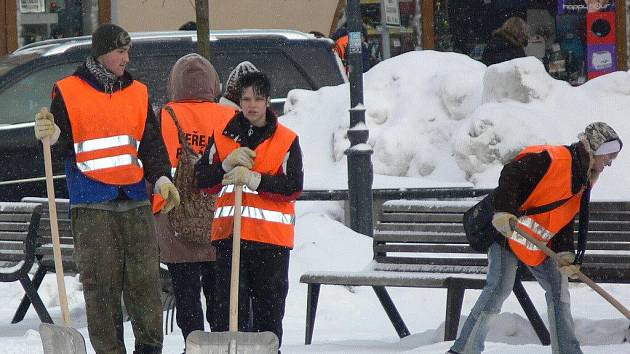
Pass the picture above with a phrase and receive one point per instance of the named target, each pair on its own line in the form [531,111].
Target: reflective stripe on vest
[256,213]
[230,189]
[198,120]
[526,221]
[555,185]
[263,220]
[106,129]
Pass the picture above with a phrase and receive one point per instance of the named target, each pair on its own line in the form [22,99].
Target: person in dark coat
[255,151]
[507,43]
[539,176]
[106,132]
[193,86]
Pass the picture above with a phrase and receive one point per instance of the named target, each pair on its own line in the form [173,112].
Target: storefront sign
[392,12]
[27,6]
[583,6]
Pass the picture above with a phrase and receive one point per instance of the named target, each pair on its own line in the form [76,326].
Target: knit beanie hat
[601,138]
[108,37]
[232,91]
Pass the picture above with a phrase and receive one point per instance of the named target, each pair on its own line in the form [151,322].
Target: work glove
[240,175]
[169,193]
[45,126]
[566,265]
[242,156]
[501,222]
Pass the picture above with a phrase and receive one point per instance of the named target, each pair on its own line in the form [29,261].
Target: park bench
[422,244]
[43,255]
[19,223]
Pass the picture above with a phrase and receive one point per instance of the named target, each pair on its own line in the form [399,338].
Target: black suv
[291,60]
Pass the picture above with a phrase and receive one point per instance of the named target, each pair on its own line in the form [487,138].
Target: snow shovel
[232,342]
[586,280]
[58,339]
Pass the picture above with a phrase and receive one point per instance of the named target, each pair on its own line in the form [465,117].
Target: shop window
[23,99]
[403,38]
[575,39]
[47,19]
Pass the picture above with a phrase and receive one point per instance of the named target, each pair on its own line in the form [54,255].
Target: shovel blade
[61,340]
[199,342]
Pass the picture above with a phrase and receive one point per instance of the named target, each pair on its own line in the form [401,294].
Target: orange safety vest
[198,120]
[106,129]
[263,220]
[555,185]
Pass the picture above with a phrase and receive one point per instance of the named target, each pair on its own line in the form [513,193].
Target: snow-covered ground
[435,119]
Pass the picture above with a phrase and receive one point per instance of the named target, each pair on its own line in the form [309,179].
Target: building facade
[576,39]
[26,21]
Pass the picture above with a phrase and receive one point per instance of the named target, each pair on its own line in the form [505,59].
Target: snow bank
[445,119]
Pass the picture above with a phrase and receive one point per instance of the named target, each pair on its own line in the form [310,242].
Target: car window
[24,98]
[153,71]
[284,75]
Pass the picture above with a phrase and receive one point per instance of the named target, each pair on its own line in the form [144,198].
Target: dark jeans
[188,281]
[117,254]
[266,271]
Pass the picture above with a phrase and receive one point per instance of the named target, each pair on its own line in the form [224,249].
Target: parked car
[291,60]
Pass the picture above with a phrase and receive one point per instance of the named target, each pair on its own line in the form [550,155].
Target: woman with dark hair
[507,43]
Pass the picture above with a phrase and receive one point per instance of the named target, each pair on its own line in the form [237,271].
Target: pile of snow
[443,118]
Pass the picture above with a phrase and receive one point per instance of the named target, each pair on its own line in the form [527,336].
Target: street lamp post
[359,154]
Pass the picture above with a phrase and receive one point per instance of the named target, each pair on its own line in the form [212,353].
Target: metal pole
[360,173]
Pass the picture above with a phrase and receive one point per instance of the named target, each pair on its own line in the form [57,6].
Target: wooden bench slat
[464,262]
[398,279]
[47,250]
[612,236]
[13,236]
[13,226]
[596,206]
[425,227]
[421,217]
[63,240]
[610,216]
[456,249]
[413,236]
[12,246]
[431,206]
[64,225]
[15,257]
[15,217]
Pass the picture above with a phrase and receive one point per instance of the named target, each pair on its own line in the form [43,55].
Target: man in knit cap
[102,123]
[232,93]
[542,190]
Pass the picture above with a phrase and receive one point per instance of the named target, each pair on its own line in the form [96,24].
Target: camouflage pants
[117,254]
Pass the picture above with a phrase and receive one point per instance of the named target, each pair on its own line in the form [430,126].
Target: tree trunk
[203,28]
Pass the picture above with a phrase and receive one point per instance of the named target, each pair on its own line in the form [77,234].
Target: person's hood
[193,78]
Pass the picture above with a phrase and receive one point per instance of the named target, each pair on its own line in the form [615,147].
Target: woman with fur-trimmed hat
[555,180]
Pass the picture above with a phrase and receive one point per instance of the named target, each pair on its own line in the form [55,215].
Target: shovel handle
[586,280]
[236,258]
[54,230]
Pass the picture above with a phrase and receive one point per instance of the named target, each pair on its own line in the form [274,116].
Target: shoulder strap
[182,138]
[547,207]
